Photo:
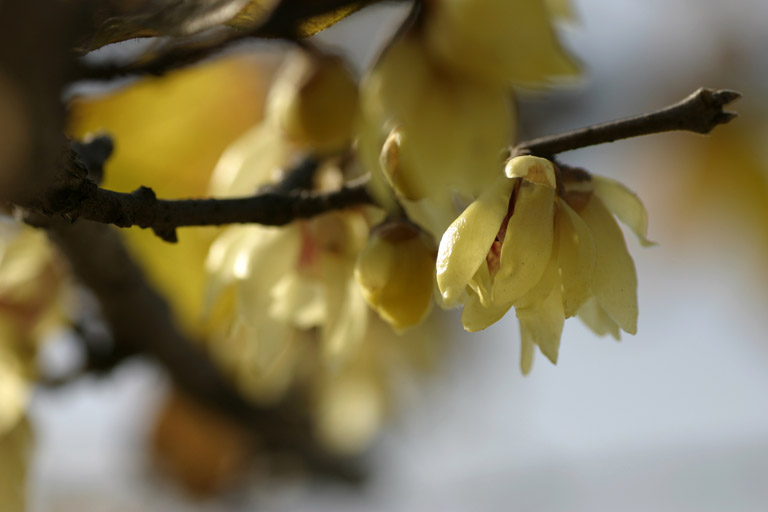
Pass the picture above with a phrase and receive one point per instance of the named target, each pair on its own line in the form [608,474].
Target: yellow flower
[550,248]
[501,42]
[287,280]
[314,100]
[396,273]
[423,126]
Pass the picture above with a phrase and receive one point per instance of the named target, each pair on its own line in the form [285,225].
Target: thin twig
[700,112]
[141,208]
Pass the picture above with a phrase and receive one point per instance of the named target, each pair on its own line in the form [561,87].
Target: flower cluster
[291,303]
[432,125]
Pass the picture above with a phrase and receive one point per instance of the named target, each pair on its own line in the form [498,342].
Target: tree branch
[76,196]
[700,112]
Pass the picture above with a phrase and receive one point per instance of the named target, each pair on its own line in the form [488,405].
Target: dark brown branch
[75,196]
[141,208]
[283,22]
[700,112]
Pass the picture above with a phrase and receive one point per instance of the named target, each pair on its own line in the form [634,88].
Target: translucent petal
[614,281]
[527,245]
[466,242]
[625,204]
[532,168]
[576,258]
[265,363]
[298,300]
[543,324]
[251,161]
[347,310]
[477,317]
[595,317]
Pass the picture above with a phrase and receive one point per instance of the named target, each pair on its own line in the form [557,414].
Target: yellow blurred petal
[477,317]
[532,168]
[595,317]
[562,9]
[625,204]
[427,107]
[14,390]
[348,415]
[614,281]
[576,258]
[500,42]
[264,357]
[314,100]
[527,246]
[543,324]
[347,317]
[253,160]
[298,301]
[465,244]
[15,451]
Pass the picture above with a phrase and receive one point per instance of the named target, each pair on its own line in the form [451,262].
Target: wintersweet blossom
[547,246]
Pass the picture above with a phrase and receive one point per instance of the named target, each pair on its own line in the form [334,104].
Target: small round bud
[395,272]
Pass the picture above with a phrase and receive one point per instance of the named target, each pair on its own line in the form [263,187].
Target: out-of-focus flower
[32,289]
[498,41]
[289,314]
[315,101]
[432,133]
[548,247]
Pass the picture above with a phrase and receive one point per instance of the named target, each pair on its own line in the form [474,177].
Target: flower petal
[532,168]
[576,258]
[526,352]
[614,281]
[482,285]
[527,245]
[347,318]
[625,205]
[543,324]
[466,242]
[477,317]
[595,317]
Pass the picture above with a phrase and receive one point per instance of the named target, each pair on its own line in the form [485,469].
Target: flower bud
[395,272]
[315,102]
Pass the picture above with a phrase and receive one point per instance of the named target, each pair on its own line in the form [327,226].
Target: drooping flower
[550,248]
[424,126]
[499,42]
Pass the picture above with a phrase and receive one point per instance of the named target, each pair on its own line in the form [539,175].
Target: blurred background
[674,418]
